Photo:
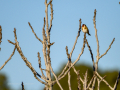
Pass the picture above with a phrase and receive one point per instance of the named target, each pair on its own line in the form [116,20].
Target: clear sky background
[17,14]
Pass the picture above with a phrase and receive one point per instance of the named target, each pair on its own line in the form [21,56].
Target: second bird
[85,29]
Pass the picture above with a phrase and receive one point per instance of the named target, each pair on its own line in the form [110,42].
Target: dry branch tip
[79,27]
[11,42]
[22,86]
[115,86]
[34,33]
[0,34]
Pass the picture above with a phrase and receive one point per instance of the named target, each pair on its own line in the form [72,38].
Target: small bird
[85,29]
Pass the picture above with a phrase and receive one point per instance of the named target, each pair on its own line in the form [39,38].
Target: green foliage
[110,78]
[3,82]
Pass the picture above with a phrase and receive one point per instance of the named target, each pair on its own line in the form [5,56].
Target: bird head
[83,26]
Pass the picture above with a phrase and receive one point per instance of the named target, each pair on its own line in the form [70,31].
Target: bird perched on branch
[85,29]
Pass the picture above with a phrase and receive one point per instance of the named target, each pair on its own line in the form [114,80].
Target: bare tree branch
[22,86]
[69,84]
[115,86]
[78,79]
[56,78]
[94,22]
[91,55]
[99,81]
[107,49]
[70,55]
[75,60]
[76,38]
[0,34]
[48,42]
[44,42]
[104,80]
[69,76]
[11,42]
[51,7]
[97,57]
[39,61]
[26,61]
[63,70]
[77,73]
[46,53]
[85,81]
[34,32]
[91,81]
[8,58]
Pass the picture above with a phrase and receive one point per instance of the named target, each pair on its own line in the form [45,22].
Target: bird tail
[89,34]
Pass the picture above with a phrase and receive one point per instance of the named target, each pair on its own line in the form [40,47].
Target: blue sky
[17,14]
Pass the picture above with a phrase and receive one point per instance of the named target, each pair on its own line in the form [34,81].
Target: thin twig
[44,35]
[76,73]
[22,86]
[69,76]
[85,80]
[91,55]
[97,57]
[91,81]
[78,56]
[51,7]
[11,42]
[39,61]
[94,22]
[48,74]
[56,78]
[49,2]
[107,49]
[68,55]
[26,61]
[44,42]
[115,86]
[0,34]
[99,81]
[75,60]
[104,80]
[63,70]
[8,58]
[69,63]
[78,80]
[98,84]
[79,27]
[34,32]
[76,38]
[46,12]
[69,84]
